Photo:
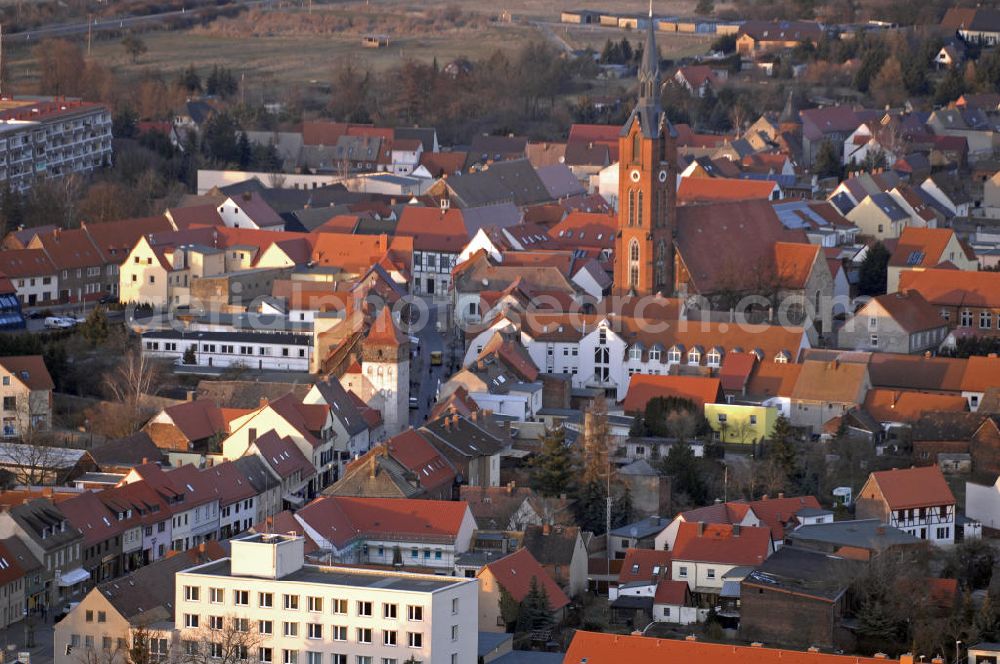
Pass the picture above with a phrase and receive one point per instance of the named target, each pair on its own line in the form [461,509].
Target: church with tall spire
[647,186]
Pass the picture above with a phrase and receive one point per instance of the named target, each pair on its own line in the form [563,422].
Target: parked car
[59,323]
[436,358]
[414,403]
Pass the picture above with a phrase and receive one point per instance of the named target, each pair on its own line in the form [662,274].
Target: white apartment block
[51,138]
[308,614]
[280,351]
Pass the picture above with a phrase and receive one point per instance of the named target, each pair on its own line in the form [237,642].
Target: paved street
[13,639]
[424,378]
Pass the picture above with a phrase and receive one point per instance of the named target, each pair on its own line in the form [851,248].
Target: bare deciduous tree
[225,640]
[135,376]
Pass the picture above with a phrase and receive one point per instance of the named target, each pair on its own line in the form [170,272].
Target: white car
[59,323]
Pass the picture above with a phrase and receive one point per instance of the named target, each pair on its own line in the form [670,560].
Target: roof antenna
[650,8]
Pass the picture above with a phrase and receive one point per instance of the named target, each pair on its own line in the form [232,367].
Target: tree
[872,275]
[190,80]
[887,87]
[781,449]
[725,44]
[61,67]
[140,652]
[623,510]
[590,507]
[596,442]
[950,87]
[135,376]
[235,641]
[189,356]
[535,613]
[134,47]
[219,140]
[828,162]
[553,471]
[705,8]
[682,467]
[96,328]
[124,123]
[509,608]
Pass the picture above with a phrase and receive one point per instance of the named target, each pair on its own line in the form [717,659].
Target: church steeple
[649,70]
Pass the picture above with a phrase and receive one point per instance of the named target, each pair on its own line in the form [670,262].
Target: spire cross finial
[650,8]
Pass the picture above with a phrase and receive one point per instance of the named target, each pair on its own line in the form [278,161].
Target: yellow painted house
[740,423]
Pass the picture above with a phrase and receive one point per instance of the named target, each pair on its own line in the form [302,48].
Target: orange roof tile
[643,387]
[384,332]
[981,373]
[887,405]
[921,247]
[953,287]
[639,565]
[704,190]
[794,262]
[910,310]
[671,592]
[515,572]
[345,517]
[906,488]
[603,648]
[421,458]
[722,543]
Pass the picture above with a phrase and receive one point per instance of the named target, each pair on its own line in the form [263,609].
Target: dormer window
[654,355]
[635,353]
[781,357]
[714,358]
[694,356]
[674,354]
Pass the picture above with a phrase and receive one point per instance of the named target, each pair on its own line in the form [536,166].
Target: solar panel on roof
[915,258]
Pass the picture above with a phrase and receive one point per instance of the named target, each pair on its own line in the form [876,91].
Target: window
[635,353]
[415,639]
[191,620]
[265,600]
[873,341]
[191,593]
[291,602]
[454,606]
[291,628]
[314,657]
[389,637]
[873,322]
[364,634]
[710,573]
[215,622]
[414,613]
[89,616]
[682,571]
[985,320]
[241,597]
[264,655]
[389,611]
[454,632]
[102,616]
[265,627]
[215,650]
[338,632]
[314,631]
[315,604]
[753,419]
[290,656]
[363,659]
[364,609]
[215,595]
[338,659]
[674,355]
[654,354]
[339,606]
[714,358]
[966,318]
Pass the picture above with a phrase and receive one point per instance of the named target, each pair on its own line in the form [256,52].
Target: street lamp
[958,651]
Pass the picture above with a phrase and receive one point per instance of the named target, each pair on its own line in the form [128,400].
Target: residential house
[757,37]
[969,302]
[13,583]
[514,508]
[34,277]
[237,498]
[145,517]
[250,210]
[390,531]
[355,425]
[672,603]
[920,249]
[48,536]
[641,534]
[948,193]
[515,575]
[26,388]
[192,426]
[698,79]
[832,124]
[102,535]
[439,234]
[915,500]
[106,619]
[703,553]
[266,483]
[405,466]
[977,25]
[287,465]
[470,445]
[879,216]
[192,500]
[900,322]
[825,390]
[122,455]
[561,551]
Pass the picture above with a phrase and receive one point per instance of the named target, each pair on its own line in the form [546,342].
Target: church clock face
[635,175]
[663,175]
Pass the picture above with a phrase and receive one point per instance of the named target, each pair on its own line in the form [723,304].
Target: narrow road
[546,29]
[120,23]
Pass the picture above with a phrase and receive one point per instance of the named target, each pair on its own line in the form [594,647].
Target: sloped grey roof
[341,405]
[512,181]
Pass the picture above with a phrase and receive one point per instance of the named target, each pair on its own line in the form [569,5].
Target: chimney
[263,402]
[145,460]
[736,530]
[906,658]
[701,528]
[546,529]
[691,637]
[190,395]
[880,655]
[756,644]
[765,497]
[781,494]
[812,649]
[937,660]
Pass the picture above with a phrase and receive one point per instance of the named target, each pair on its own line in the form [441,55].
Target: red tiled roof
[643,387]
[515,572]
[887,405]
[640,563]
[9,570]
[197,419]
[384,332]
[734,373]
[422,459]
[776,512]
[718,543]
[30,370]
[91,517]
[346,517]
[794,262]
[283,455]
[603,648]
[231,484]
[953,287]
[981,373]
[443,163]
[670,592]
[115,239]
[907,488]
[706,190]
[926,243]
[585,229]
[911,311]
[433,229]
[69,249]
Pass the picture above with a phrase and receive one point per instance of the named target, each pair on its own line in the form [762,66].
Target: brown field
[282,60]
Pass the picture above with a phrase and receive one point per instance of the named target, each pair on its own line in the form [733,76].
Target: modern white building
[279,351]
[308,614]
